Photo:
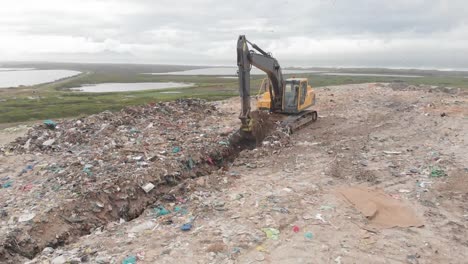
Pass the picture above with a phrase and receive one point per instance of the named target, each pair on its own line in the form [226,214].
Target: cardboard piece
[381,210]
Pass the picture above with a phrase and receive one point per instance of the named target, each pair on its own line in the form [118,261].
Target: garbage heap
[109,166]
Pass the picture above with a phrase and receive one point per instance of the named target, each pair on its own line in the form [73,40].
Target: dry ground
[382,136]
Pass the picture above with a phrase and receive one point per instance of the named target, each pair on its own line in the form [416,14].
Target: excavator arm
[265,62]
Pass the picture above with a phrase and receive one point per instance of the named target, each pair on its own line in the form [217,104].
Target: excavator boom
[265,62]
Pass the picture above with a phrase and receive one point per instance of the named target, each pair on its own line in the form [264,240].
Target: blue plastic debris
[186,227]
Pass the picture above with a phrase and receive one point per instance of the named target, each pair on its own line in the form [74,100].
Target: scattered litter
[186,227]
[26,217]
[261,249]
[327,207]
[129,260]
[338,260]
[59,260]
[134,130]
[282,210]
[147,225]
[424,184]
[175,149]
[180,210]
[271,233]
[7,184]
[307,217]
[50,124]
[404,191]
[307,143]
[160,211]
[308,235]
[259,257]
[140,255]
[320,217]
[437,172]
[295,229]
[48,142]
[87,169]
[138,158]
[148,187]
[392,152]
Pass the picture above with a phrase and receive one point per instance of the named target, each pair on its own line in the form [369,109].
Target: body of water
[15,78]
[369,74]
[228,71]
[15,69]
[128,87]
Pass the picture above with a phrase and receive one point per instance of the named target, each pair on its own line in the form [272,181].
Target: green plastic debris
[327,207]
[308,235]
[7,184]
[180,210]
[55,168]
[161,211]
[50,124]
[87,169]
[271,233]
[129,260]
[224,143]
[190,163]
[437,172]
[134,131]
[175,149]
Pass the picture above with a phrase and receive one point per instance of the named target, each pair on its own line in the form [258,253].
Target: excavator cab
[297,96]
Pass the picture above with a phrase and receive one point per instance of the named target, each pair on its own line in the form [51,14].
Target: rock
[26,217]
[102,260]
[47,143]
[148,187]
[217,247]
[59,260]
[201,181]
[147,225]
[48,250]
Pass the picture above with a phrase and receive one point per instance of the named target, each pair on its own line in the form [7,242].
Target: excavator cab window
[291,94]
[303,91]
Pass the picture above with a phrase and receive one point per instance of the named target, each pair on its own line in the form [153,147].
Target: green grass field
[54,100]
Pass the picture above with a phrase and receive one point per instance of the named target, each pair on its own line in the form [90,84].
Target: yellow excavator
[290,97]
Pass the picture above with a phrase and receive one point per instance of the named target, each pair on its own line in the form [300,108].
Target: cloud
[405,33]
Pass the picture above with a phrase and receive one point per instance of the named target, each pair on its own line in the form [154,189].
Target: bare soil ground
[411,142]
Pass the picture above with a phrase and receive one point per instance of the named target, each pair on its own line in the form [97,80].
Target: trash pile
[109,166]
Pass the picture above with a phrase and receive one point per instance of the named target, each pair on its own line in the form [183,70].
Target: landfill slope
[77,175]
[280,202]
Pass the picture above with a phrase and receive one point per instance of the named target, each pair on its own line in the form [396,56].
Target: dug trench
[74,218]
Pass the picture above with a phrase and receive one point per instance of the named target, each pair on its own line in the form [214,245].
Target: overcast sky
[393,33]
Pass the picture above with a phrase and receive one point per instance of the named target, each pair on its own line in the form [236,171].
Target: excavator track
[296,122]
